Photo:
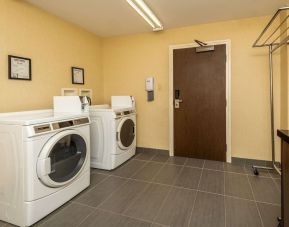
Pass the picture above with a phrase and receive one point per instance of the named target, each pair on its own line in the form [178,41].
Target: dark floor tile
[238,185]
[265,190]
[100,171]
[95,178]
[52,214]
[147,205]
[141,150]
[262,172]
[212,181]
[158,225]
[209,211]
[168,174]
[106,219]
[146,155]
[129,168]
[241,213]
[177,208]
[255,162]
[175,160]
[120,200]
[269,214]
[238,161]
[215,165]
[160,158]
[148,172]
[97,195]
[5,224]
[234,168]
[72,215]
[9,225]
[274,174]
[193,162]
[189,178]
[278,183]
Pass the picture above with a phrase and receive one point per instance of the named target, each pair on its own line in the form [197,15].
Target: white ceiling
[115,17]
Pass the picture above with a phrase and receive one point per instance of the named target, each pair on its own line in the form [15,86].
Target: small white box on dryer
[122,101]
[70,104]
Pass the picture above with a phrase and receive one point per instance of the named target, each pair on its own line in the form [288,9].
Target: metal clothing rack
[274,36]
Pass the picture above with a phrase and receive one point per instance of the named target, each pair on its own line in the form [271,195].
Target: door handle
[177,103]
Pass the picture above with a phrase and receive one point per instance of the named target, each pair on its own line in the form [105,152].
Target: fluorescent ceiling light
[142,9]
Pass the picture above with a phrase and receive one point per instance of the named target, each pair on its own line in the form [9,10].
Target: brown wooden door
[200,120]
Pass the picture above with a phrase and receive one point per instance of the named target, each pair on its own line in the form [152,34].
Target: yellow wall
[119,65]
[284,99]
[54,46]
[128,60]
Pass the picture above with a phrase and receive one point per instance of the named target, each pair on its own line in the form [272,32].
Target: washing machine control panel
[65,124]
[48,127]
[42,128]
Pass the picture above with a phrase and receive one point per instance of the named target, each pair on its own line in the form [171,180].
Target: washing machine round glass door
[62,158]
[126,133]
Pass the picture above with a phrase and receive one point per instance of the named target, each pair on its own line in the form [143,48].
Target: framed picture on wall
[19,68]
[77,75]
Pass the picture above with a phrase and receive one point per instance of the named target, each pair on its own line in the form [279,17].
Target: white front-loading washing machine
[45,161]
[113,134]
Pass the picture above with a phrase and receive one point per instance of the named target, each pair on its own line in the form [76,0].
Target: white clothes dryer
[45,162]
[113,135]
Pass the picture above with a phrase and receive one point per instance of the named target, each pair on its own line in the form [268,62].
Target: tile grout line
[214,193]
[93,187]
[72,201]
[166,163]
[112,193]
[55,215]
[255,202]
[139,170]
[145,188]
[277,186]
[243,167]
[167,196]
[188,189]
[86,218]
[275,183]
[192,210]
[123,215]
[146,162]
[225,171]
[112,212]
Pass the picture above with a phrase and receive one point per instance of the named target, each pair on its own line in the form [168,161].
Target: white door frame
[227,42]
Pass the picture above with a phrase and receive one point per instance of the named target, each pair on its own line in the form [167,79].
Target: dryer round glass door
[126,133]
[62,158]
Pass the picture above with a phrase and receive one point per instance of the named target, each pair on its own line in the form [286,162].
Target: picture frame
[19,68]
[77,75]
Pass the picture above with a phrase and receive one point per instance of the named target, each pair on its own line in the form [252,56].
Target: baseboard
[235,160]
[152,150]
[246,161]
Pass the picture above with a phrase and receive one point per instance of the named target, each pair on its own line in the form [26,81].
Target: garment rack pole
[273,43]
[272,125]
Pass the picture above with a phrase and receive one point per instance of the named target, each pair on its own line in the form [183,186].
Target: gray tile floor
[155,190]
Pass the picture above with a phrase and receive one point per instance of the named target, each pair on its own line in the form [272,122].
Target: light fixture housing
[142,9]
